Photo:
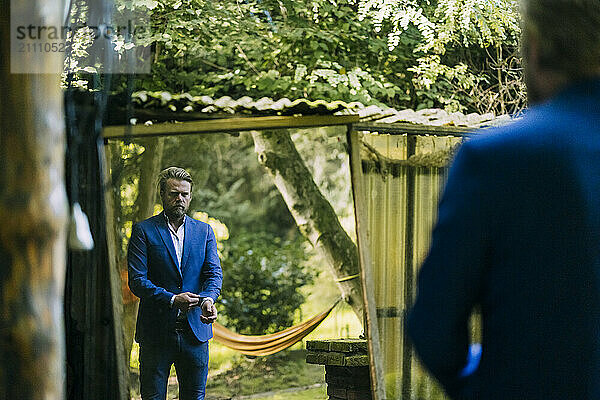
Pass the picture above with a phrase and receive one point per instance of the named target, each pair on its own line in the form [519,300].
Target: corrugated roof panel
[266,106]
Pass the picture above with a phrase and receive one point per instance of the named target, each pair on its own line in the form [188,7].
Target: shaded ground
[313,392]
[285,375]
[246,376]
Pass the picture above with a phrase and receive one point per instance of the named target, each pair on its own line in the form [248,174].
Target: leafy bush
[262,276]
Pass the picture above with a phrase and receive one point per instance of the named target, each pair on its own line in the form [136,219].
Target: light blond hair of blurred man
[518,232]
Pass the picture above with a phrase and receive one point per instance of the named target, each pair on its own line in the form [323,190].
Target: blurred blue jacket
[518,234]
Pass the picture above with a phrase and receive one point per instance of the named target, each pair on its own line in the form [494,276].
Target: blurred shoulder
[539,128]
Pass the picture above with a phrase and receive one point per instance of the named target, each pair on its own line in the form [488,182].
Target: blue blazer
[518,234]
[154,275]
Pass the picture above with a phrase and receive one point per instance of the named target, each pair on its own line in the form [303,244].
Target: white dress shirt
[178,236]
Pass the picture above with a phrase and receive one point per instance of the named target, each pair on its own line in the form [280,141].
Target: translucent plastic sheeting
[402,177]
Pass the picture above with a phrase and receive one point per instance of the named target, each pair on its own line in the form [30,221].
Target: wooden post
[360,211]
[96,352]
[33,211]
[409,242]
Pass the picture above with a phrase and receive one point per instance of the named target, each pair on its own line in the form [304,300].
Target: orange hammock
[268,344]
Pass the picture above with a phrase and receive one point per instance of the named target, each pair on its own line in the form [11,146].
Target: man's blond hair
[567,33]
[177,173]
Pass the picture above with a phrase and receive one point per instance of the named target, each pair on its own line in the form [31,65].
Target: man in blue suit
[518,231]
[175,271]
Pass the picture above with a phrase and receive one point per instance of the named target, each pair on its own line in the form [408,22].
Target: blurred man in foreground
[518,231]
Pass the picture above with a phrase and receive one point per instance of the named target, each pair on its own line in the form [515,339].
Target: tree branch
[245,57]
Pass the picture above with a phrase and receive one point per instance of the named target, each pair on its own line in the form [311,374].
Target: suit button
[178,286]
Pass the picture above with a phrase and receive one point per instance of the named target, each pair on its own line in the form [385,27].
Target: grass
[242,376]
[318,393]
[281,371]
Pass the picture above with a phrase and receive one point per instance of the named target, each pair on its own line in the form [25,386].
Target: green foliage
[402,53]
[467,50]
[232,48]
[262,277]
[456,54]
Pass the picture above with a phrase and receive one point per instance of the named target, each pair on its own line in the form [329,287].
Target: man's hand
[209,312]
[185,301]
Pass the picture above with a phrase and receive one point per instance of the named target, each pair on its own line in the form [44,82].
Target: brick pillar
[346,367]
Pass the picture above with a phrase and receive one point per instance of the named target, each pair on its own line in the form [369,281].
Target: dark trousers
[190,357]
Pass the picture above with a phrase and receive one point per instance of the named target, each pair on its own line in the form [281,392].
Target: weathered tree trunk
[314,216]
[149,169]
[33,211]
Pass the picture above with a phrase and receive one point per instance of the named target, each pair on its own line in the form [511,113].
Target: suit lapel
[163,230]
[187,239]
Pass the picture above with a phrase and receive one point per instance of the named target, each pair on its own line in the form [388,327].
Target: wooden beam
[226,125]
[403,128]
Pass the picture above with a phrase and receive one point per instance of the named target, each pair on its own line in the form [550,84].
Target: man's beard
[176,212]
